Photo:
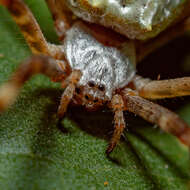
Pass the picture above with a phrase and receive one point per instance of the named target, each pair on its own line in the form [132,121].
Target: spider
[96,66]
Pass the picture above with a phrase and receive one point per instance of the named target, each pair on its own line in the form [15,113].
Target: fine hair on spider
[96,70]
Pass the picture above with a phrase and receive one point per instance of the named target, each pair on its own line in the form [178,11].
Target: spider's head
[92,96]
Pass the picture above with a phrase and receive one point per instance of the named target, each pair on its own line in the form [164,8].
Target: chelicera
[96,65]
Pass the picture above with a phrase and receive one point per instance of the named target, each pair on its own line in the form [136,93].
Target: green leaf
[37,154]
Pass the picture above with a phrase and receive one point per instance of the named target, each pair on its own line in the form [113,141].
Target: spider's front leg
[117,105]
[156,114]
[31,30]
[38,64]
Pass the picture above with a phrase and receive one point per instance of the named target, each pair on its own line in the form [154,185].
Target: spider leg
[145,48]
[38,64]
[159,89]
[30,28]
[117,104]
[154,113]
[69,92]
[62,16]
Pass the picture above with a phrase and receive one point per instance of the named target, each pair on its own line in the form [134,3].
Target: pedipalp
[68,92]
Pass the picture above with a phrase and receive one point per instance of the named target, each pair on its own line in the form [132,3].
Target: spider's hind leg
[117,105]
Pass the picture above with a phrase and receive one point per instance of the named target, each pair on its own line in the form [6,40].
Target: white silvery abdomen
[102,65]
[136,19]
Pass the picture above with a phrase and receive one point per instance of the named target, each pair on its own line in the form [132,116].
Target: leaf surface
[37,154]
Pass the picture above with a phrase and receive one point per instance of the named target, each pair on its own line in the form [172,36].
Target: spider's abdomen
[99,64]
[136,19]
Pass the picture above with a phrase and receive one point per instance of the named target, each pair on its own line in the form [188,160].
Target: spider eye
[101,87]
[96,100]
[87,97]
[77,90]
[91,84]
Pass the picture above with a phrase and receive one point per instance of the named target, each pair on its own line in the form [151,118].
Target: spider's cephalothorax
[104,69]
[96,66]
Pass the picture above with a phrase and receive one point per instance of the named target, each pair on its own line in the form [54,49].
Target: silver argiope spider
[95,71]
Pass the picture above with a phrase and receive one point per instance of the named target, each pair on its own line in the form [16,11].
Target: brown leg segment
[153,113]
[117,105]
[68,93]
[34,65]
[28,25]
[146,48]
[159,89]
[62,16]
[30,28]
